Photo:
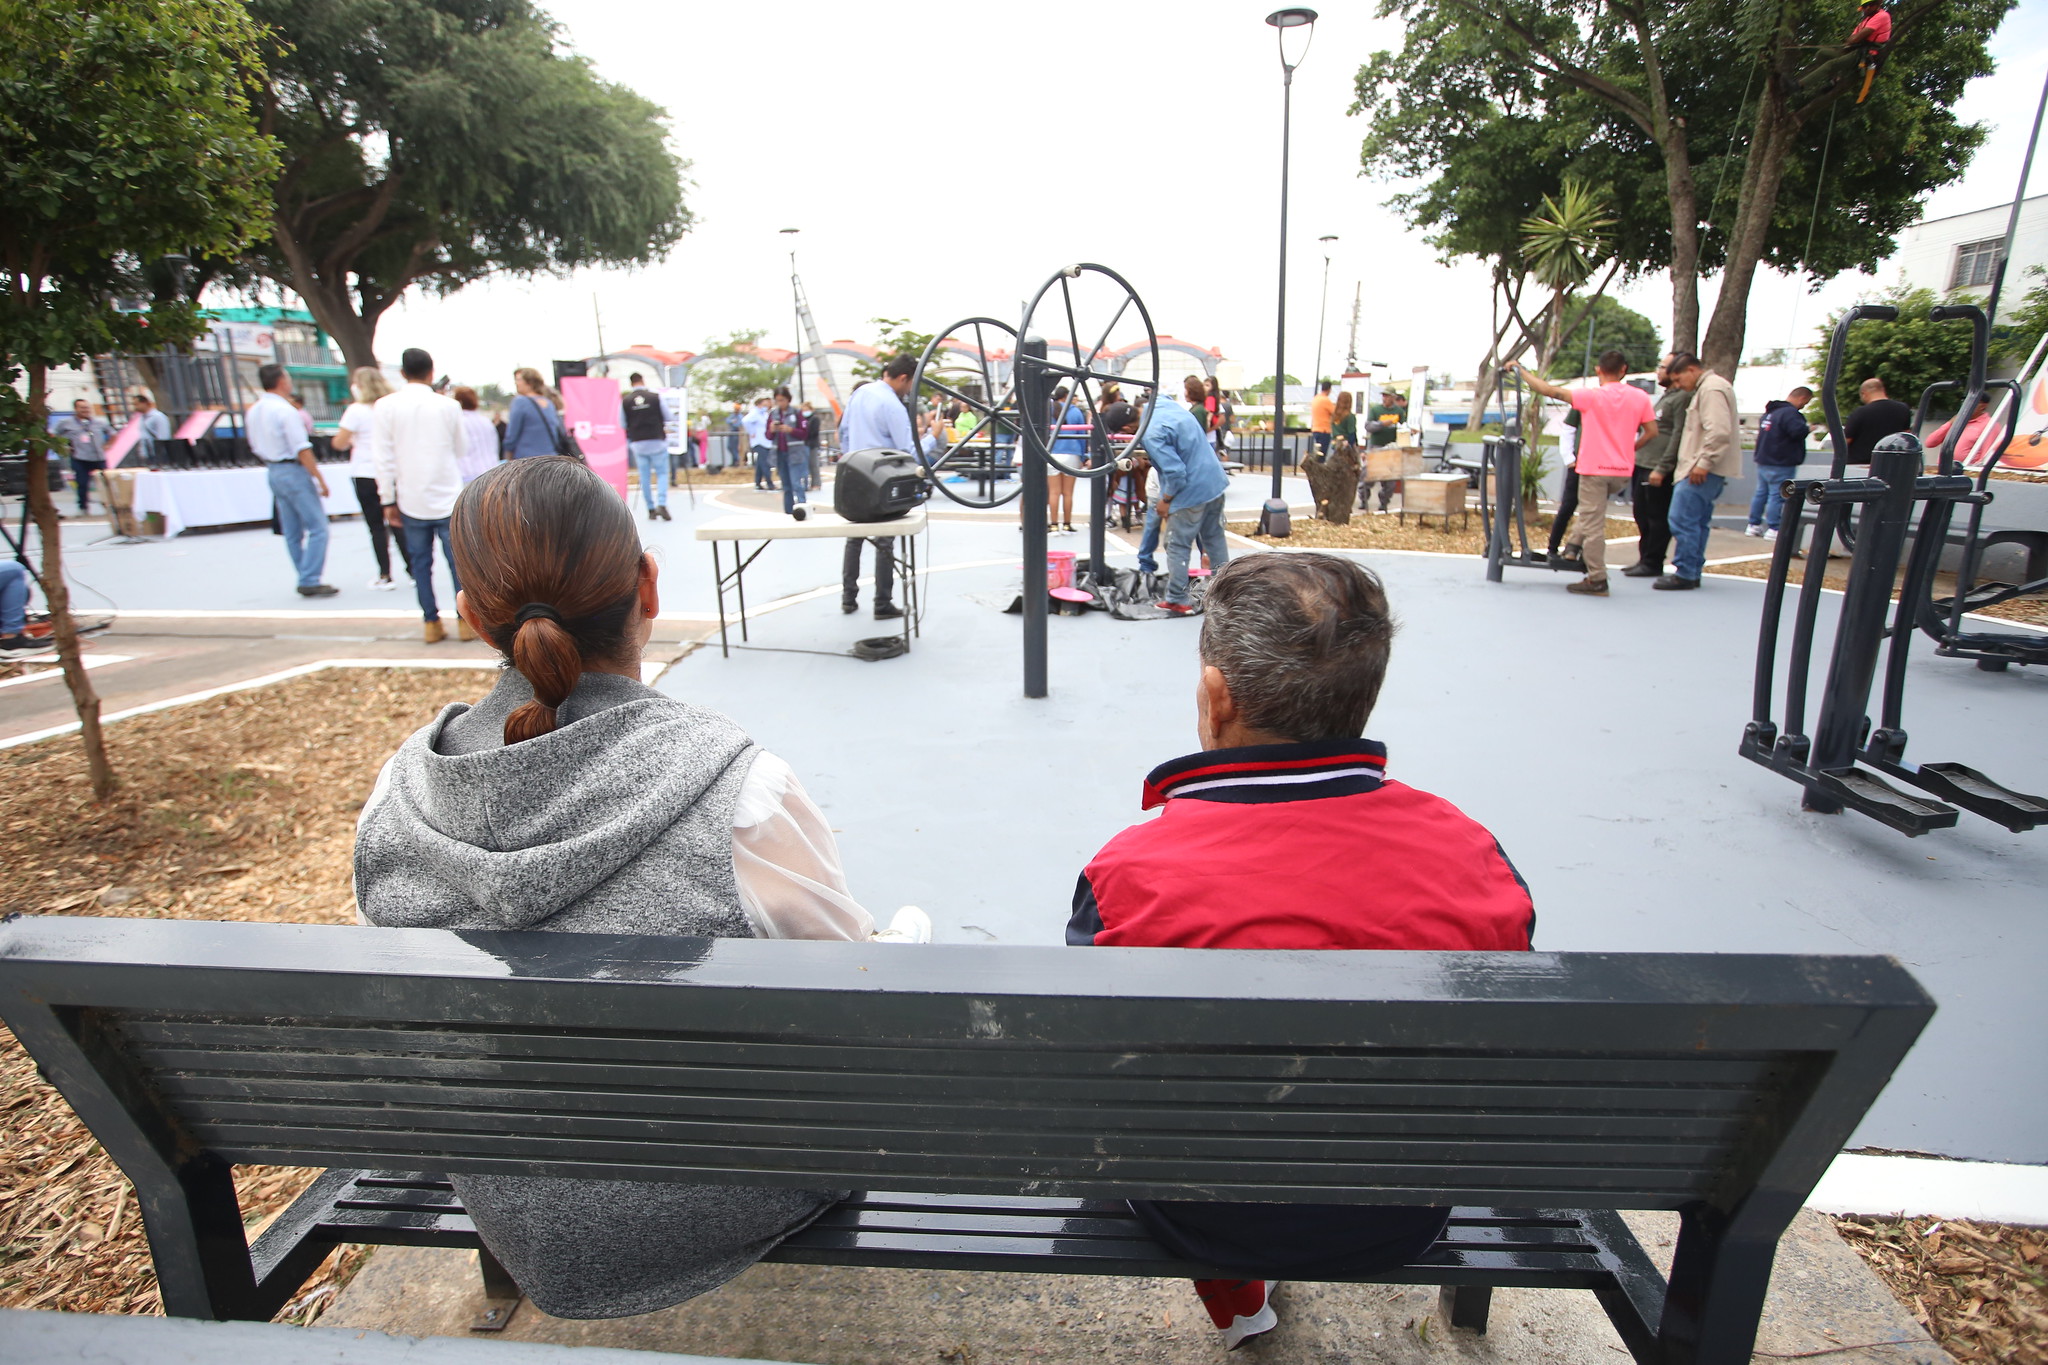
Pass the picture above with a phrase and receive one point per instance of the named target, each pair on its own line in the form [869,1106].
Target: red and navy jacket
[1300,846]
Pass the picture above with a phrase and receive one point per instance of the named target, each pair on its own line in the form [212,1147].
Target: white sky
[943,160]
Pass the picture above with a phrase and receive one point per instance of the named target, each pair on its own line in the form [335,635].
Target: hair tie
[534,609]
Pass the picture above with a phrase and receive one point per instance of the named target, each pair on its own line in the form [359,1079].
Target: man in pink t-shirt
[1613,420]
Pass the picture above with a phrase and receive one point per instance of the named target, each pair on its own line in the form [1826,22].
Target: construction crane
[1351,356]
[812,339]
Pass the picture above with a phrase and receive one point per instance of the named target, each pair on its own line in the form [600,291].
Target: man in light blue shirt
[277,436]
[88,437]
[1192,486]
[875,419]
[156,430]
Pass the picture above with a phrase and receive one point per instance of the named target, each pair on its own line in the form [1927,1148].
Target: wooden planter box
[1434,495]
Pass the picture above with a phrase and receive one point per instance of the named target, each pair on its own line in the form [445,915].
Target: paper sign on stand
[118,448]
[197,425]
[591,408]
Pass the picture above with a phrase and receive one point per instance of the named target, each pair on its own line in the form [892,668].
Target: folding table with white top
[768,527]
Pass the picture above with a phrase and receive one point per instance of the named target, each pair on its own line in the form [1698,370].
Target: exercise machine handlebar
[1837,348]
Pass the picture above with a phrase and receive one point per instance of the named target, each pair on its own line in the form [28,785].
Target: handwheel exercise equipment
[1081,311]
[1826,762]
[1498,473]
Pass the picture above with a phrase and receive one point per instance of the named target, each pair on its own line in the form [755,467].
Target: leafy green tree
[1610,326]
[435,142]
[2015,338]
[1706,122]
[126,136]
[1907,355]
[732,371]
[894,338]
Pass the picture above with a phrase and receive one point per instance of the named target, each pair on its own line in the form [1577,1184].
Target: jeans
[652,457]
[1187,527]
[764,467]
[1692,515]
[381,535]
[82,472]
[302,517]
[1148,543]
[1652,504]
[419,547]
[1767,504]
[794,466]
[13,598]
[732,450]
[885,572]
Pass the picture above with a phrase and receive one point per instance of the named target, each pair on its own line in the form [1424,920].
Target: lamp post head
[790,232]
[1285,19]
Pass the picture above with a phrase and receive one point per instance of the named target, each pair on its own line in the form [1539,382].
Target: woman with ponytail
[574,798]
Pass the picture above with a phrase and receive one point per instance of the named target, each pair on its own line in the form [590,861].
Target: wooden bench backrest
[1579,1080]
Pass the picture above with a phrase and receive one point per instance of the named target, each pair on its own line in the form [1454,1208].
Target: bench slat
[990,1137]
[1599,1186]
[950,1091]
[220,1092]
[1390,1064]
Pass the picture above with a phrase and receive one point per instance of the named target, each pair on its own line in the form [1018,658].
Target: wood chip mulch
[240,808]
[2030,610]
[1384,531]
[1980,1289]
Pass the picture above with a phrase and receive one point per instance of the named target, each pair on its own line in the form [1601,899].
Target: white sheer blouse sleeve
[785,861]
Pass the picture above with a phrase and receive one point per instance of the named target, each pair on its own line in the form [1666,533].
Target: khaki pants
[1589,526]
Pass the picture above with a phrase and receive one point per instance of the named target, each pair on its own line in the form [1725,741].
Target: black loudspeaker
[877,485]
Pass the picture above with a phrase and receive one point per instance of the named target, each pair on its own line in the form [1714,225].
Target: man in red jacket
[1283,832]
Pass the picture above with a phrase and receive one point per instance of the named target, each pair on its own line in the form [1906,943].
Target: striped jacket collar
[1271,772]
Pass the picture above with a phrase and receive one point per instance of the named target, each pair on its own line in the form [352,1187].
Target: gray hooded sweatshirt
[617,822]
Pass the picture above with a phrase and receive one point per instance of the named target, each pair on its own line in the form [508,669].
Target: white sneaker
[383,585]
[1770,535]
[1243,1328]
[911,925]
[1752,530]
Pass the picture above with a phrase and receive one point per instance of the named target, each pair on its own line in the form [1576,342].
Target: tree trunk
[55,592]
[1762,173]
[327,300]
[1685,243]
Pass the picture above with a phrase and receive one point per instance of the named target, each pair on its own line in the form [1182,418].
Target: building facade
[1958,254]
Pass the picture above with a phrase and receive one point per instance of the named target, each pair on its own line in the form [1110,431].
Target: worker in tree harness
[1872,37]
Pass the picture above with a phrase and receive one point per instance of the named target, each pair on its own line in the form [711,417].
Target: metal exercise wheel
[989,450]
[1064,314]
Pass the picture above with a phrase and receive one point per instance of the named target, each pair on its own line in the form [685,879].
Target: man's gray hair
[1302,640]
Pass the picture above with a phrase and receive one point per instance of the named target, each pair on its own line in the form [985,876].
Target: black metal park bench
[1009,1097]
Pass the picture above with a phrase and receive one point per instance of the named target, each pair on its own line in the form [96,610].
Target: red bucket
[1059,569]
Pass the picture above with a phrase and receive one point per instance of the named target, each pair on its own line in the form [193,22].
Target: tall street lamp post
[796,311]
[1273,519]
[1317,378]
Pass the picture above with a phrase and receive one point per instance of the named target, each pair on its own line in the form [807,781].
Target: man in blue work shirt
[88,437]
[875,419]
[1191,490]
[156,430]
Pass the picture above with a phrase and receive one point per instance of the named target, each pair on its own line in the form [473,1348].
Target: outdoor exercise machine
[1013,412]
[1844,762]
[1941,618]
[1502,519]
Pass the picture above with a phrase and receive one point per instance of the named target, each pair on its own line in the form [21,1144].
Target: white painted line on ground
[89,660]
[282,675]
[272,614]
[1988,1191]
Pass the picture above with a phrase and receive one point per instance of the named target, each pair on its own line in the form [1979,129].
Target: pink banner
[118,448]
[592,411]
[197,425]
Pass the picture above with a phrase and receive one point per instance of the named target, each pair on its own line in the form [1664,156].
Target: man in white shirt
[876,419]
[278,438]
[417,440]
[759,449]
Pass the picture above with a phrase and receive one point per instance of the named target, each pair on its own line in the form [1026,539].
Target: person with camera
[1284,831]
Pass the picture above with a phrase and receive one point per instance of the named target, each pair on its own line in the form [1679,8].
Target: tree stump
[1333,479]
